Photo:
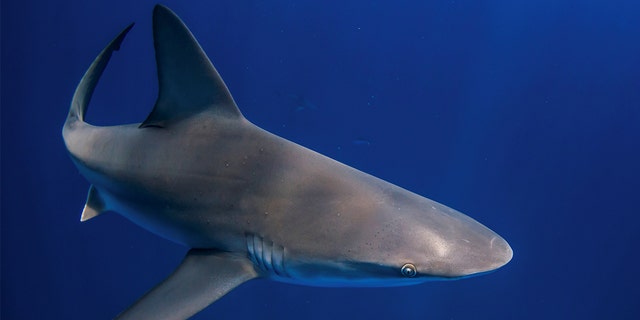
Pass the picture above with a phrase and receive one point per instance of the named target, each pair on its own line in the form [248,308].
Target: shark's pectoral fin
[95,205]
[203,277]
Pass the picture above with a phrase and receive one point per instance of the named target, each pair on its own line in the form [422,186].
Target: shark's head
[440,243]
[435,242]
[403,239]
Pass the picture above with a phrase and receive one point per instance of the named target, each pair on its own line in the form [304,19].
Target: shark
[249,204]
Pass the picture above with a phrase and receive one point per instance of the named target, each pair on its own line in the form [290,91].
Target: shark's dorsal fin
[204,276]
[95,205]
[188,82]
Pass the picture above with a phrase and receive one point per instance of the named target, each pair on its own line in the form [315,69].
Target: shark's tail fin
[84,91]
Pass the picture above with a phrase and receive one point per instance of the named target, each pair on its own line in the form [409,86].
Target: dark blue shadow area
[524,115]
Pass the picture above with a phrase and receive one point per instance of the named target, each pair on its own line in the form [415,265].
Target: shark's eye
[409,270]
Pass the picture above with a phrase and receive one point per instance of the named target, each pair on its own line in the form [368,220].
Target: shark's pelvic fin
[90,79]
[188,82]
[95,205]
[203,277]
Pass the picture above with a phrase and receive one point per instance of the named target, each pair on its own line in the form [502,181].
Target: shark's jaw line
[250,204]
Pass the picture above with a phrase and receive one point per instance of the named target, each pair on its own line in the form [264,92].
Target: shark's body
[252,204]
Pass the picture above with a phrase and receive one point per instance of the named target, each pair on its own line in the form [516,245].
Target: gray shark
[250,204]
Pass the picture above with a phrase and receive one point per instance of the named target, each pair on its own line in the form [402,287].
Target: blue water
[523,114]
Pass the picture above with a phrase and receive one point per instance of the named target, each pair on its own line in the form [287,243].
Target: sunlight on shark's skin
[250,204]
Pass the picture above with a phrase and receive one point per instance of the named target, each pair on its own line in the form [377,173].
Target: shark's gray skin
[251,204]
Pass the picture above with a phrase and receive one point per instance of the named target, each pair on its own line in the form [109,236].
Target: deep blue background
[523,114]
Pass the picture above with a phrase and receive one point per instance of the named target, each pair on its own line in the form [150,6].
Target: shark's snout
[453,245]
[500,251]
[481,251]
[495,254]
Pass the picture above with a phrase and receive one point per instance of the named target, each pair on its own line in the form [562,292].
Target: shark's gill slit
[278,261]
[266,255]
[250,248]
